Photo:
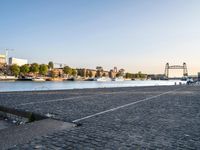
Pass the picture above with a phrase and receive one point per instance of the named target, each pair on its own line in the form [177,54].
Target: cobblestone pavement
[155,118]
[5,124]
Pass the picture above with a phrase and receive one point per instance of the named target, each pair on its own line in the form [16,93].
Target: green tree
[15,70]
[51,65]
[74,72]
[34,68]
[129,75]
[118,74]
[43,69]
[67,70]
[139,74]
[24,69]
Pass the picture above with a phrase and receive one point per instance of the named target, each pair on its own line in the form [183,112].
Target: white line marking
[126,105]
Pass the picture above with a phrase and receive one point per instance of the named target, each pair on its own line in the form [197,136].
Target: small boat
[118,79]
[38,79]
[8,78]
[102,79]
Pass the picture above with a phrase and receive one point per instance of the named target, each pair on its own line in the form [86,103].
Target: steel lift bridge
[183,67]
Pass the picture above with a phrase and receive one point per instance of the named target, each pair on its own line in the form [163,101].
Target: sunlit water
[33,86]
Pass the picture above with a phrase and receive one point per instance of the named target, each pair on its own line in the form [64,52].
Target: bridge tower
[167,70]
[185,71]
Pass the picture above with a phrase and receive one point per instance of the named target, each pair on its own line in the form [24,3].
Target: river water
[49,85]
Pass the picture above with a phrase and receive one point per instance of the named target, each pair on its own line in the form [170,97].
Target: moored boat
[8,78]
[118,79]
[38,79]
[102,79]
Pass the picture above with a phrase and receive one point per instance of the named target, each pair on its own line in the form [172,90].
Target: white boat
[7,78]
[102,79]
[118,79]
[38,79]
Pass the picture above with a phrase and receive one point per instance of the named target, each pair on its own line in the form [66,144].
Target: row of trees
[69,71]
[41,69]
[33,68]
[139,75]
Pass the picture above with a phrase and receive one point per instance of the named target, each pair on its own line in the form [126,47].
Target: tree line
[34,68]
[138,75]
[41,69]
[48,69]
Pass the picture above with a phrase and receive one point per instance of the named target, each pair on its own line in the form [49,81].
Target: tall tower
[167,70]
[185,71]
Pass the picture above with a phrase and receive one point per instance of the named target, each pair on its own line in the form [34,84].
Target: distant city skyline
[134,35]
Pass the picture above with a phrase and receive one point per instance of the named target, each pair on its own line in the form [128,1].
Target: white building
[17,61]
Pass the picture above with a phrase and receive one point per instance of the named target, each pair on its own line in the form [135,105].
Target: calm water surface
[32,86]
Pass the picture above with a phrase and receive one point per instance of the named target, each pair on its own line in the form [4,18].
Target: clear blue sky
[132,34]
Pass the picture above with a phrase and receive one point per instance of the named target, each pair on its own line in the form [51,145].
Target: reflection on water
[32,86]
